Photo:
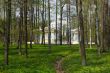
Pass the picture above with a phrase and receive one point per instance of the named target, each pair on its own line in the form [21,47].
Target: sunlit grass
[95,63]
[41,61]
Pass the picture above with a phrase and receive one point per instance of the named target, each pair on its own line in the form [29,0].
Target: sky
[53,10]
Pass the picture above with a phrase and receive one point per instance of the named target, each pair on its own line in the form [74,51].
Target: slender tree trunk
[97,29]
[43,25]
[105,24]
[26,33]
[20,28]
[103,27]
[69,22]
[32,20]
[7,31]
[90,29]
[56,21]
[77,9]
[61,11]
[82,45]
[38,35]
[36,14]
[49,27]
[45,9]
[37,21]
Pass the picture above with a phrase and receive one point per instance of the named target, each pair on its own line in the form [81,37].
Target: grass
[40,61]
[95,63]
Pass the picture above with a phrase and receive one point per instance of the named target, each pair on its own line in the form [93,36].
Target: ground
[41,61]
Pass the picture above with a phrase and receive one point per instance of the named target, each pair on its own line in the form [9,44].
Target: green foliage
[40,61]
[95,63]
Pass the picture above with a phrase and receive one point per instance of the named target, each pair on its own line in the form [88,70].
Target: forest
[54,36]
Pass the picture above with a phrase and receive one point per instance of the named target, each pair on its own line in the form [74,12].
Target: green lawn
[40,61]
[95,63]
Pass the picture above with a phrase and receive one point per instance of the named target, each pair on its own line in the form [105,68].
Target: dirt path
[58,66]
[59,62]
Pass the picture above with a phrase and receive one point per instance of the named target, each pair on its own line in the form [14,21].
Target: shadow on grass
[39,60]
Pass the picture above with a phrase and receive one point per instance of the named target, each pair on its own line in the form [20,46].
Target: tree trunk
[7,31]
[32,20]
[77,9]
[69,22]
[20,28]
[43,25]
[61,11]
[104,24]
[49,27]
[97,29]
[56,21]
[82,45]
[25,23]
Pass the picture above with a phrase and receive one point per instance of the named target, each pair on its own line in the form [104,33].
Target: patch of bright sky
[53,10]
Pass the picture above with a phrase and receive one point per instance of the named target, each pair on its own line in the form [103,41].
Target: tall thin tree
[82,45]
[56,20]
[25,23]
[7,30]
[49,27]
